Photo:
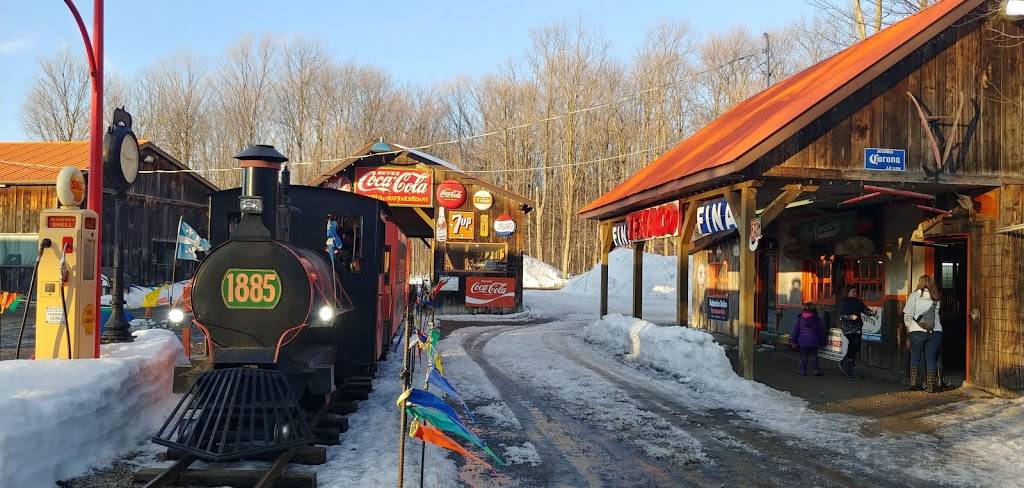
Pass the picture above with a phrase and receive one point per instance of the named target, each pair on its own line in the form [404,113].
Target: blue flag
[333,238]
[435,378]
[189,242]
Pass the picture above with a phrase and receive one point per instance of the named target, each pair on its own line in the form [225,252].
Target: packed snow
[540,275]
[59,418]
[525,454]
[659,276]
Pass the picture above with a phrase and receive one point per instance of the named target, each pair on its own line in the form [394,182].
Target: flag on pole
[442,421]
[189,242]
[151,299]
[9,301]
[429,434]
[435,378]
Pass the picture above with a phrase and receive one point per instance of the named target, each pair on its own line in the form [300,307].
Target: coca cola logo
[489,288]
[397,182]
[451,194]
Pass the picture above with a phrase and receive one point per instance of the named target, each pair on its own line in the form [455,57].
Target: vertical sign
[485,221]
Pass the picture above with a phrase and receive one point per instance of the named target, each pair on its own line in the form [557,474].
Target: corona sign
[490,292]
[399,187]
[654,222]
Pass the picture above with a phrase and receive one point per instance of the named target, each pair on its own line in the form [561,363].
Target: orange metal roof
[751,122]
[37,162]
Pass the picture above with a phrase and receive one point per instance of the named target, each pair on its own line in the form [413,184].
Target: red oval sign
[451,194]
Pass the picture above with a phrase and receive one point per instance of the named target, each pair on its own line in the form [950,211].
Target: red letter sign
[400,187]
[490,292]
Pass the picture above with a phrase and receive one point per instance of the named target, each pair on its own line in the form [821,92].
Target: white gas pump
[66,308]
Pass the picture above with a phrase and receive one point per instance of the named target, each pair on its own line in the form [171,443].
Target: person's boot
[929,383]
[940,382]
[844,367]
[914,372]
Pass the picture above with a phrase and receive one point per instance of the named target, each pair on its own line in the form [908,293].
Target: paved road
[620,426]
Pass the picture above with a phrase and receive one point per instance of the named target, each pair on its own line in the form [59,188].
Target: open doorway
[950,265]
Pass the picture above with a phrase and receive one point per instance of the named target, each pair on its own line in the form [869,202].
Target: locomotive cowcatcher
[301,293]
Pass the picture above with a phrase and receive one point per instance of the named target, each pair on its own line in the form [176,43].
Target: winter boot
[844,367]
[914,372]
[940,382]
[929,383]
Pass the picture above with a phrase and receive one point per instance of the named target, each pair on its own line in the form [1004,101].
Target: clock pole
[121,166]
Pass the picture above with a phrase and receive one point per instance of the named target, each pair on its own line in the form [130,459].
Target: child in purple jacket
[809,335]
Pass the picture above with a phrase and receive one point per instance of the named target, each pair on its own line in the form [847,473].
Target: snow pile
[540,275]
[58,418]
[659,276]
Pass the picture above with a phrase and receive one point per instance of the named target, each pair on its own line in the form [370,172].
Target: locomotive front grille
[229,414]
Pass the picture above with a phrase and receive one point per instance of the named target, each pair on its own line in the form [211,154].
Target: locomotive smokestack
[261,166]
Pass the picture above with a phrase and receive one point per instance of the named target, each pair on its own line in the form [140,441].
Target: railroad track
[328,424]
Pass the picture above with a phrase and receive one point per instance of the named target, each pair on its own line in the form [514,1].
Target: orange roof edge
[734,135]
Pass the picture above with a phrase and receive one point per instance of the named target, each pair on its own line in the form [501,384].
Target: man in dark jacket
[851,311]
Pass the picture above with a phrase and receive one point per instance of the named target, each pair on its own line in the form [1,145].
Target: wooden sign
[399,187]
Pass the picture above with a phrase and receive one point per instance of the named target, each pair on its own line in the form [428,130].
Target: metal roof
[747,131]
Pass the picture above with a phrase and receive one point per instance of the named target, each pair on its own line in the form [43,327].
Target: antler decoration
[939,157]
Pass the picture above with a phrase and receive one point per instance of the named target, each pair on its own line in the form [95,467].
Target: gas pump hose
[67,324]
[44,244]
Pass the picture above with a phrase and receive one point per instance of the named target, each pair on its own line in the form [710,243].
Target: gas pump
[66,307]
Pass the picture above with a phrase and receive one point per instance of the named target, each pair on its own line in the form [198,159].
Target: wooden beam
[746,208]
[788,195]
[605,243]
[423,215]
[719,192]
[683,264]
[638,279]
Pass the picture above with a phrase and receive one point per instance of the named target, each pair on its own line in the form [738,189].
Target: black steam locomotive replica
[301,293]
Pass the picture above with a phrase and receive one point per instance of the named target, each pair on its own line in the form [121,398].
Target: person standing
[808,334]
[851,318]
[921,316]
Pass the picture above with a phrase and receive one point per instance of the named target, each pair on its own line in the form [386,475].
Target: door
[951,279]
[766,269]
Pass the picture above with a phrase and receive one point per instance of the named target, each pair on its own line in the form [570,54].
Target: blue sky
[417,41]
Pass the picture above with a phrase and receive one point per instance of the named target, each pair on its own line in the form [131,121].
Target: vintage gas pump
[66,288]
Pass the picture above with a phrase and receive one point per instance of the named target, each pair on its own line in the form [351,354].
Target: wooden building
[900,156]
[156,201]
[473,228]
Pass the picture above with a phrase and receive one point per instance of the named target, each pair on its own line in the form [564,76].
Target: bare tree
[57,105]
[173,100]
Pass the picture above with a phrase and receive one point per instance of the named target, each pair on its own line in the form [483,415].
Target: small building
[897,157]
[473,228]
[156,201]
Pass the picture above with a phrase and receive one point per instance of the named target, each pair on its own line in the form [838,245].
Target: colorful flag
[427,399]
[189,242]
[150,300]
[433,436]
[437,363]
[443,421]
[333,238]
[435,378]
[9,301]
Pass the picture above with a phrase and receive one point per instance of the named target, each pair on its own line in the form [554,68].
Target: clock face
[129,158]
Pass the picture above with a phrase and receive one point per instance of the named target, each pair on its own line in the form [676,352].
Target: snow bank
[659,276]
[59,418]
[540,275]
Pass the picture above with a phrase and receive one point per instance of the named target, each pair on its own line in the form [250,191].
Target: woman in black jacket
[851,311]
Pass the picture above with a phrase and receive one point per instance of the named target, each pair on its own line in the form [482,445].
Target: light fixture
[250,204]
[798,203]
[176,315]
[326,313]
[1015,8]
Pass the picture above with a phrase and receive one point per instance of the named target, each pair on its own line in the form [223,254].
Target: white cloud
[10,47]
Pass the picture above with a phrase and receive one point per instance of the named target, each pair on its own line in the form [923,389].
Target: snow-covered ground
[59,418]
[540,275]
[659,277]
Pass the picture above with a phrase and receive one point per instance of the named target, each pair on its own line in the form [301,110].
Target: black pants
[852,348]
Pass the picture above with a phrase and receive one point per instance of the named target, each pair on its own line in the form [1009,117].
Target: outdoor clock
[120,153]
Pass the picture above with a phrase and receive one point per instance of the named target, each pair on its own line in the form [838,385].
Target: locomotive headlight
[176,315]
[326,313]
[250,204]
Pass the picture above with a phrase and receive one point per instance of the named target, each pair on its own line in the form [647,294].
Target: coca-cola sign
[400,187]
[490,292]
[451,194]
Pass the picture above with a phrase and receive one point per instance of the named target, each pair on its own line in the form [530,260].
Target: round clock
[120,158]
[129,158]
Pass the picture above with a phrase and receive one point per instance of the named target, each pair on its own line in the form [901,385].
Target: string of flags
[9,301]
[434,420]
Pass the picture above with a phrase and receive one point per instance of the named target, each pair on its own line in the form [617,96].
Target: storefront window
[819,278]
[868,275]
[476,257]
[18,249]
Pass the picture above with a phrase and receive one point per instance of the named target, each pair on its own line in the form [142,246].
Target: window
[819,279]
[18,249]
[163,252]
[867,274]
[348,253]
[475,257]
[718,278]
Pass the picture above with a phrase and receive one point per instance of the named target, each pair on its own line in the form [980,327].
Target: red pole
[96,147]
[899,193]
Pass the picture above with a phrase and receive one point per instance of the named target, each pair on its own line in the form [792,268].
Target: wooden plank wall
[21,206]
[967,60]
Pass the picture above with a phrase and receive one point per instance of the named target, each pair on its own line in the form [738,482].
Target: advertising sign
[461,225]
[244,288]
[400,187]
[451,194]
[485,225]
[441,226]
[490,292]
[835,345]
[483,200]
[620,235]
[654,222]
[718,308]
[715,216]
[504,226]
[885,159]
[872,330]
[827,227]
[755,233]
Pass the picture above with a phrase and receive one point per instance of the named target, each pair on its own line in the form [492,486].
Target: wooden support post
[746,205]
[638,279]
[683,265]
[605,242]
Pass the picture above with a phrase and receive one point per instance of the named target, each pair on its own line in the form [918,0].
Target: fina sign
[885,159]
[715,216]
